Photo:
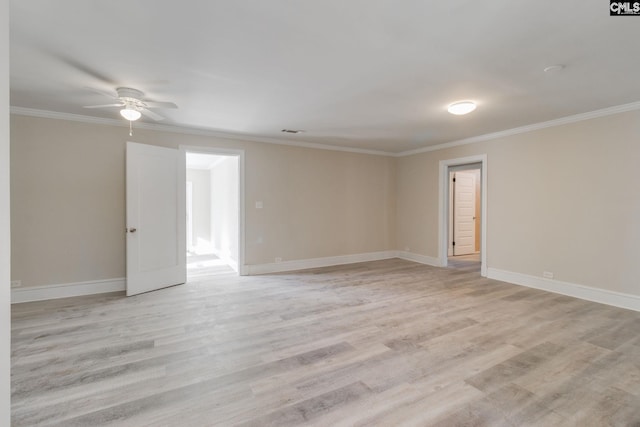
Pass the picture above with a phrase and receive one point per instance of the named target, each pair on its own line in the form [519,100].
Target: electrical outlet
[259,205]
[16,283]
[278,259]
[547,275]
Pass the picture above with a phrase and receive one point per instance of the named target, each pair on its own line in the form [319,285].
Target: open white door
[464,207]
[156,218]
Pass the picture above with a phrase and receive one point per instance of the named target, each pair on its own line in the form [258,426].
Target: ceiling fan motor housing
[127,92]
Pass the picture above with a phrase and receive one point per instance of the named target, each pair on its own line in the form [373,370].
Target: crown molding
[32,112]
[45,114]
[218,134]
[524,129]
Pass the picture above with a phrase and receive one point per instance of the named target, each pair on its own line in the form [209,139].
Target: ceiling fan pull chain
[130,128]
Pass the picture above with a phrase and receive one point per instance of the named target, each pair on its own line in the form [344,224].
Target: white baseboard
[422,259]
[303,264]
[40,293]
[617,299]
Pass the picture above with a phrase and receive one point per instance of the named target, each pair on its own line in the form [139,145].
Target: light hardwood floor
[374,344]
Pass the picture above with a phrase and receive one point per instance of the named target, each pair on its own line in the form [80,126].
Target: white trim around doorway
[443,203]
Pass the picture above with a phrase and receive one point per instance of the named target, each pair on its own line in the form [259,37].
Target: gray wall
[68,199]
[562,199]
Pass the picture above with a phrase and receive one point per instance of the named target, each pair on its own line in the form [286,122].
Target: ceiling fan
[133,104]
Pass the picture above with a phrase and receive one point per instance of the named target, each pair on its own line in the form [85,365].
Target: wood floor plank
[379,343]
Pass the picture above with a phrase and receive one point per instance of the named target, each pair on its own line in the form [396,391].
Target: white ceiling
[368,74]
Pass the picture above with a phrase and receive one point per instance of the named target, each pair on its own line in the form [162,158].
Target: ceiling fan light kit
[130,114]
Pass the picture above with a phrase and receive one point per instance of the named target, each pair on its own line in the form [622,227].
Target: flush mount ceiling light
[554,68]
[462,107]
[130,114]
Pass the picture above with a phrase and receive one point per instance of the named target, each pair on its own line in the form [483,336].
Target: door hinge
[454,179]
[453,243]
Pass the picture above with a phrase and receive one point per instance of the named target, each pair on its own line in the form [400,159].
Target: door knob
[133,230]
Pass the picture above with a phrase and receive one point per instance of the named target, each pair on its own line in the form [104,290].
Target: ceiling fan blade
[103,92]
[84,68]
[104,106]
[151,114]
[154,104]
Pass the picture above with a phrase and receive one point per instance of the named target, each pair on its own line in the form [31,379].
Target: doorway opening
[463,188]
[213,212]
[463,251]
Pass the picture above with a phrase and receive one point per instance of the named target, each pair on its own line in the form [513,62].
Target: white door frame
[242,269]
[189,216]
[443,201]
